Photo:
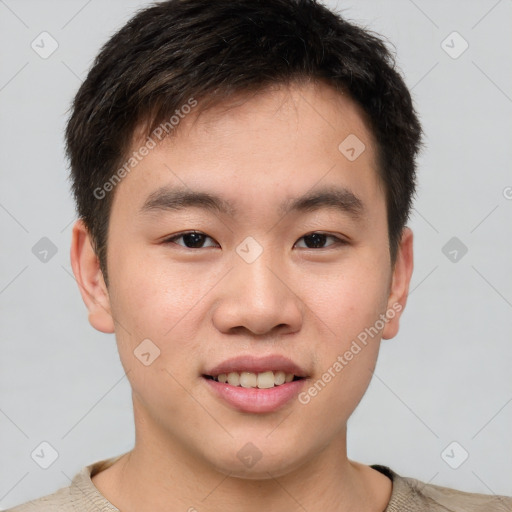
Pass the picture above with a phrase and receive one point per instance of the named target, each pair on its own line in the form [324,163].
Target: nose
[258,297]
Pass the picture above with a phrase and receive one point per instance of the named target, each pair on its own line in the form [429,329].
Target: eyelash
[338,241]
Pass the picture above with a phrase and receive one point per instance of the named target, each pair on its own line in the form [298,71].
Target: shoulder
[60,500]
[80,496]
[412,495]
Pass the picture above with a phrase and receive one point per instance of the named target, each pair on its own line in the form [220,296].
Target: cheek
[151,296]
[348,306]
[349,299]
[157,303]
[347,354]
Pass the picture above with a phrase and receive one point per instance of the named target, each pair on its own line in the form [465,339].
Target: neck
[159,474]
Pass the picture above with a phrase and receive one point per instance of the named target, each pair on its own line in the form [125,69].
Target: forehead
[258,149]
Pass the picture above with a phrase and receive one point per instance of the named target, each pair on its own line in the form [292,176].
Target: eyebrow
[172,199]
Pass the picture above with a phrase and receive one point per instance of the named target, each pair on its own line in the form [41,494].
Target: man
[244,172]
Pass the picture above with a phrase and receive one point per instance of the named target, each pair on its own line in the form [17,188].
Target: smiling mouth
[262,380]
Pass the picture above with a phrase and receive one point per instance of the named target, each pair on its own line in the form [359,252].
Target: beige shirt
[408,495]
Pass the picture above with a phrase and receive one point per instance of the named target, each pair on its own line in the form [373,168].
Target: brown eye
[191,240]
[318,240]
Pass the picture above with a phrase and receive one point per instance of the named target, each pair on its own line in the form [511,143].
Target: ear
[399,289]
[86,267]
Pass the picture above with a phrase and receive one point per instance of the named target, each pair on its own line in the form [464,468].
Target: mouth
[260,380]
[256,384]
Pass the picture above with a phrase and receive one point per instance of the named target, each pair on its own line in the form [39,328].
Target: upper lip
[248,363]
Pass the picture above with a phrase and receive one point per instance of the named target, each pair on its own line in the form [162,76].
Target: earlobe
[89,278]
[399,285]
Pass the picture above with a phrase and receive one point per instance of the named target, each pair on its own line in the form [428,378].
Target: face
[286,270]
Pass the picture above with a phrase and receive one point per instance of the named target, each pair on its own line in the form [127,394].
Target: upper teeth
[262,380]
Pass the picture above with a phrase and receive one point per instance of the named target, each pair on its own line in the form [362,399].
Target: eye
[191,240]
[317,240]
[197,239]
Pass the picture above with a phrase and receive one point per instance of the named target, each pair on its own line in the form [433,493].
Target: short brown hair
[208,50]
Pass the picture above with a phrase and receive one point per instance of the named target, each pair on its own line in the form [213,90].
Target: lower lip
[256,400]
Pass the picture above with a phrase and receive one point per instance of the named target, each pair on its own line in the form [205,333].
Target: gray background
[446,377]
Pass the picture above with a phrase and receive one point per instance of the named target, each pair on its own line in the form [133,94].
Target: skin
[203,305]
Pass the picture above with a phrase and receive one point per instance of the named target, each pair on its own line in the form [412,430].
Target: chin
[251,463]
[260,471]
